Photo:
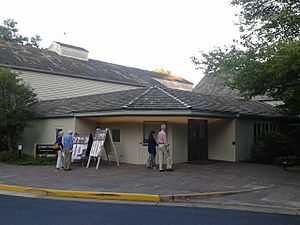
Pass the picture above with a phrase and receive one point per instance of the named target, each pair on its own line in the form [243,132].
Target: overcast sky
[147,34]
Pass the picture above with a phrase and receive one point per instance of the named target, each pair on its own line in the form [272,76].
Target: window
[255,132]
[56,132]
[116,135]
[151,125]
[260,128]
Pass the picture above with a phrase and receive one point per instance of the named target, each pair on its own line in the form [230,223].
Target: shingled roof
[160,100]
[43,60]
[215,85]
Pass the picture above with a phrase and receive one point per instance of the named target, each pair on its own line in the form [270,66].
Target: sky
[146,34]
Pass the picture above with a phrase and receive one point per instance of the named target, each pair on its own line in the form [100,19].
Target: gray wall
[244,138]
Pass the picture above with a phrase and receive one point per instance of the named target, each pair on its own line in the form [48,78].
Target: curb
[179,200]
[122,196]
[83,194]
[197,196]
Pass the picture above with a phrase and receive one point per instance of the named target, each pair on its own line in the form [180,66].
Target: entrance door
[197,140]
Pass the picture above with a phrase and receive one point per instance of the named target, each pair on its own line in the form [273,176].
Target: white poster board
[80,143]
[102,143]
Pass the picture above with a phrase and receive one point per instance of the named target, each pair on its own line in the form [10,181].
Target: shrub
[13,158]
[270,146]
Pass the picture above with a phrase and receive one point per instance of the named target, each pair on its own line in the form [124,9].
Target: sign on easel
[102,143]
[80,143]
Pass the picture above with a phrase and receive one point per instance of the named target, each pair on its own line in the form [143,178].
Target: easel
[102,142]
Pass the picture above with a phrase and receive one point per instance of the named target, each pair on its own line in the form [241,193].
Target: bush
[271,146]
[13,158]
[292,161]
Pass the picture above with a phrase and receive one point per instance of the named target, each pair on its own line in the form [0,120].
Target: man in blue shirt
[68,147]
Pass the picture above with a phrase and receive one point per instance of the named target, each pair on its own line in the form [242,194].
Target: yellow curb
[81,194]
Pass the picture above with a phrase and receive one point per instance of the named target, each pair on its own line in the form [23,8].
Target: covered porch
[190,138]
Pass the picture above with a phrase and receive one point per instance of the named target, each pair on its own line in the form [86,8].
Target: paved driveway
[282,188]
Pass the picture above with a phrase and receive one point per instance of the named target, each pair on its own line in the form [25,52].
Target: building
[199,126]
[131,102]
[48,71]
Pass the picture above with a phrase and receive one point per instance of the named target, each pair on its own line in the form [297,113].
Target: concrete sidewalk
[211,182]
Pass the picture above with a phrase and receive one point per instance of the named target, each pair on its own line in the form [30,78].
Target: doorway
[197,140]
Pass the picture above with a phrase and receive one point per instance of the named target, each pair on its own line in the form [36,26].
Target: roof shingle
[158,99]
[43,60]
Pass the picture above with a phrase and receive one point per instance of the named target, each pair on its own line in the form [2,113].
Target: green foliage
[271,146]
[16,108]
[268,21]
[13,158]
[266,61]
[9,32]
[163,71]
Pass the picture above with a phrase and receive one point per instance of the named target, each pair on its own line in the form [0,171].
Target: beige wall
[221,134]
[131,149]
[179,143]
[50,86]
[244,138]
[43,131]
[84,126]
[128,149]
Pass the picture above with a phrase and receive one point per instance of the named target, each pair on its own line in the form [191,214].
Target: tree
[266,59]
[163,71]
[16,107]
[9,32]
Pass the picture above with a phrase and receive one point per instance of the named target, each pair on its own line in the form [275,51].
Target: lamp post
[20,147]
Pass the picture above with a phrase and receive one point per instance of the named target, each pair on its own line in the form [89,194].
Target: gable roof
[155,99]
[46,61]
[215,85]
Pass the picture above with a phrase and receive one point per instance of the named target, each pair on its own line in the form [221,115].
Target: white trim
[187,113]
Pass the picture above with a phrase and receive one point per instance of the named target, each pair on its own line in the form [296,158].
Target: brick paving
[186,179]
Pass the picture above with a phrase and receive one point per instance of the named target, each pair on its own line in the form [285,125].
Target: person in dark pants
[68,147]
[152,150]
[89,146]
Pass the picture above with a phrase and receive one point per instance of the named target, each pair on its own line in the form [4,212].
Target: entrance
[197,140]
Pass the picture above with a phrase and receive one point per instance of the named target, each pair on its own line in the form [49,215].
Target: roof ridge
[136,98]
[175,98]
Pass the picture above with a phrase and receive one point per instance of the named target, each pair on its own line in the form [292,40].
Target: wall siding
[42,131]
[49,86]
[244,139]
[180,143]
[221,134]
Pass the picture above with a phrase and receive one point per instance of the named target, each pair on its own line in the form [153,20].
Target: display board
[43,150]
[102,143]
[80,143]
[98,143]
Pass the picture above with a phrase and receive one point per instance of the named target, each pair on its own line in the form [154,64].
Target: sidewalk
[221,182]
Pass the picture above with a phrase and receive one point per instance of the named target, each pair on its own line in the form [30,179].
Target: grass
[13,158]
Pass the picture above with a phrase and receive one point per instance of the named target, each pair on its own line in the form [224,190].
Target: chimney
[69,51]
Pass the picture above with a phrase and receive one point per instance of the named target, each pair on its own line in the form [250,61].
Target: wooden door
[197,140]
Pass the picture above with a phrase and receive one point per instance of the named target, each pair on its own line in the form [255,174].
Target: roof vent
[69,50]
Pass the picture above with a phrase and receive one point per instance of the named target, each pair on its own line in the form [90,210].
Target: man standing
[163,149]
[68,147]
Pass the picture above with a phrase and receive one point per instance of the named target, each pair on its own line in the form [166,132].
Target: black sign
[44,149]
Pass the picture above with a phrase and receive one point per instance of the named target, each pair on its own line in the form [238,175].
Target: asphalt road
[34,211]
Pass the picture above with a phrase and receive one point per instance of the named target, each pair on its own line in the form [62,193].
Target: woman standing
[152,150]
[60,157]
